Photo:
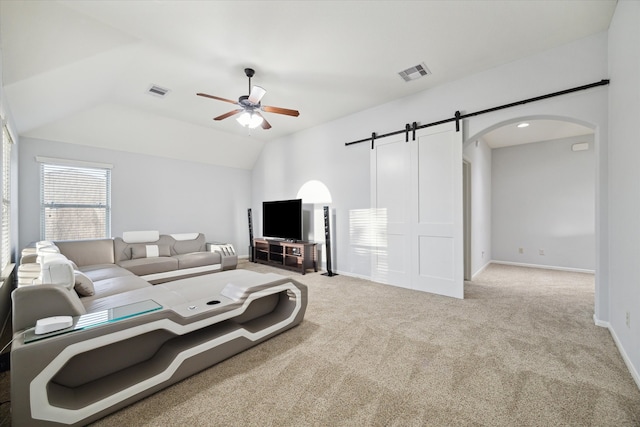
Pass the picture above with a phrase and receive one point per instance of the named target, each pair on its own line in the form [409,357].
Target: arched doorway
[553,227]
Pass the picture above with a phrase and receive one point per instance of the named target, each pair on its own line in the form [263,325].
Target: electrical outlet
[520,250]
[628,320]
[541,251]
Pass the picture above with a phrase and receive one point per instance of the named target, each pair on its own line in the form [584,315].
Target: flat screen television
[282,219]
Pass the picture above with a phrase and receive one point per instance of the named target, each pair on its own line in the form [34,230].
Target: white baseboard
[601,323]
[545,267]
[480,270]
[350,274]
[632,369]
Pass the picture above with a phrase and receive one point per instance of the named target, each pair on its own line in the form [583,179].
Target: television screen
[282,219]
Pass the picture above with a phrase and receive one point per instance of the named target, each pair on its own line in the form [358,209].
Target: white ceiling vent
[156,90]
[414,72]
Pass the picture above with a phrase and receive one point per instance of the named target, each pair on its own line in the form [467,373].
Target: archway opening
[533,193]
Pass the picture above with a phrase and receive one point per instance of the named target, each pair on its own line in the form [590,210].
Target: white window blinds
[5,228]
[75,202]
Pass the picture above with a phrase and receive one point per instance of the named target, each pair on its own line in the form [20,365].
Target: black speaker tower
[250,236]
[327,239]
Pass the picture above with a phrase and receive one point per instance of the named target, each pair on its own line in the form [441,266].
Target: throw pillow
[147,251]
[84,285]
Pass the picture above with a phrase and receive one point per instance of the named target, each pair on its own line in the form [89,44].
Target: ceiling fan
[250,106]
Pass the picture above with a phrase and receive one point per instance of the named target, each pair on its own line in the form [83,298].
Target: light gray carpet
[520,350]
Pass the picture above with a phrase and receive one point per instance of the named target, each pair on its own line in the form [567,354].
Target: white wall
[624,197]
[479,154]
[148,193]
[320,153]
[543,198]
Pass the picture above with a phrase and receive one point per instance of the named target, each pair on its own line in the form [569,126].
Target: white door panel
[437,233]
[390,174]
[435,179]
[417,197]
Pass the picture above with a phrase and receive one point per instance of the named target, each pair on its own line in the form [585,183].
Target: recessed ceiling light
[523,125]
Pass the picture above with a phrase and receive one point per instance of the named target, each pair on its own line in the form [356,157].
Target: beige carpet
[520,350]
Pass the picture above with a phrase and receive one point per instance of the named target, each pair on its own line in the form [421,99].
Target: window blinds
[75,202]
[5,227]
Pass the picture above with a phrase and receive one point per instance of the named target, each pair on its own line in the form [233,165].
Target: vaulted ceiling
[79,71]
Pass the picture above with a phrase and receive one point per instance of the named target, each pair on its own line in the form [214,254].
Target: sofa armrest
[30,303]
[29,258]
[227,253]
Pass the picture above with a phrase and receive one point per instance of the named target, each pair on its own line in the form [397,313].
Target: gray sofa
[131,338]
[111,267]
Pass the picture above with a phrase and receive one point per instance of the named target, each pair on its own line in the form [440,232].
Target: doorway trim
[466,219]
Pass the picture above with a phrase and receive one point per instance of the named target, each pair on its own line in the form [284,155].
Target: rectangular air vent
[580,146]
[414,72]
[156,90]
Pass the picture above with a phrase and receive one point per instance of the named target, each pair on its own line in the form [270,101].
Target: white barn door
[417,205]
[390,224]
[437,241]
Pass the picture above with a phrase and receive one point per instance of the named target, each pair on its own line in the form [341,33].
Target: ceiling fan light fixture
[256,94]
[250,119]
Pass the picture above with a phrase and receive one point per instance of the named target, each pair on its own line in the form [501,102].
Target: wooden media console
[297,256]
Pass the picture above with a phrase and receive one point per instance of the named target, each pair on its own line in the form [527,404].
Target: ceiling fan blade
[216,97]
[256,94]
[265,124]
[229,114]
[279,110]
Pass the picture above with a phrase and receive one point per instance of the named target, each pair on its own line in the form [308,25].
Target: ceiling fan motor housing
[244,101]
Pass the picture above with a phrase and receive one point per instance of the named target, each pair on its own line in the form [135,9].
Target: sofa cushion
[122,249]
[84,285]
[158,294]
[185,236]
[144,266]
[114,286]
[87,252]
[148,251]
[198,244]
[104,271]
[197,259]
[140,236]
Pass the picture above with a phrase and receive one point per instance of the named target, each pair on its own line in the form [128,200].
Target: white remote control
[52,324]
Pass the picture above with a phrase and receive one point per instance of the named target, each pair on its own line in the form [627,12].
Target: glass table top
[91,320]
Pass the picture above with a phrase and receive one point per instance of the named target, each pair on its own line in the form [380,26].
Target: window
[5,228]
[75,200]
